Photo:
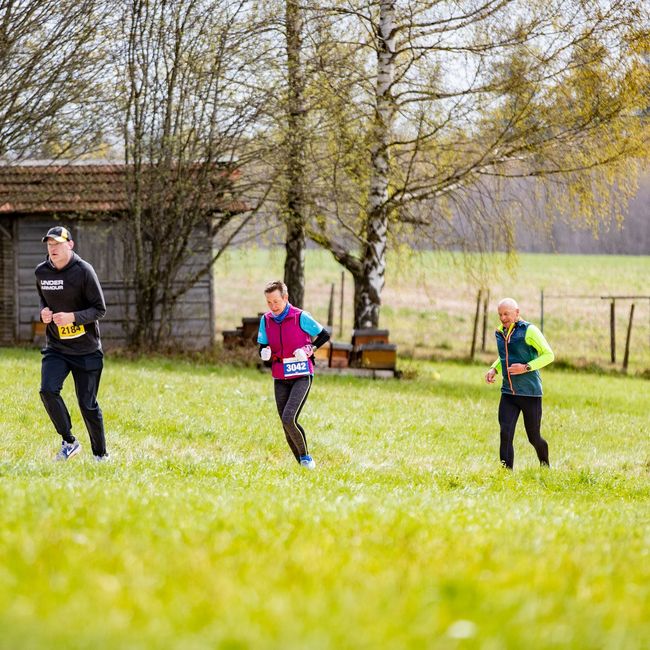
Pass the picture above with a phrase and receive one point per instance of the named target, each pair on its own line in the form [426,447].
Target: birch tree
[463,96]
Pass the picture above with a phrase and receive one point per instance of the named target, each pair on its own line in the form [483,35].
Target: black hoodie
[74,288]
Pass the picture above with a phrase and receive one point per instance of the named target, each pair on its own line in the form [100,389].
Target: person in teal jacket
[523,350]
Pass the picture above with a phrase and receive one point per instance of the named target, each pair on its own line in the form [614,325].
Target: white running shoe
[308,462]
[68,450]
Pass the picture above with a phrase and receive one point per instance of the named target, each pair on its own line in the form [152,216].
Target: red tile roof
[77,188]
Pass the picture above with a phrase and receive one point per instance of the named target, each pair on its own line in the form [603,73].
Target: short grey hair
[276,285]
[508,302]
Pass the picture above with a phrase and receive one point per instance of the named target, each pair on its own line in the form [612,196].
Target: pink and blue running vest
[284,338]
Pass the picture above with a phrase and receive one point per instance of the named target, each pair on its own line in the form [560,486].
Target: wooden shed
[91,200]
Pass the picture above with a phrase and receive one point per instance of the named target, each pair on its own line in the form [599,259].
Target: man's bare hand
[490,376]
[517,369]
[63,318]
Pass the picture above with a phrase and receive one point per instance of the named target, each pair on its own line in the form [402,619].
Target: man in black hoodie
[71,303]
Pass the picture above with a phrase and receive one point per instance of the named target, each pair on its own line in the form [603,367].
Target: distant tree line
[358,125]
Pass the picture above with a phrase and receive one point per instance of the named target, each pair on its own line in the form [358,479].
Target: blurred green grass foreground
[202,532]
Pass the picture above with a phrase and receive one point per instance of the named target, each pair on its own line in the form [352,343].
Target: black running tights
[509,408]
[290,397]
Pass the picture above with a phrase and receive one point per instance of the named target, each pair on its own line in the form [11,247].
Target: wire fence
[432,311]
[618,320]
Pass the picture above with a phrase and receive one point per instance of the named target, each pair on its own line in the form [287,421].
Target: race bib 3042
[71,331]
[295,368]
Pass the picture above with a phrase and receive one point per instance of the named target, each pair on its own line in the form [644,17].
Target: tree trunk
[294,265]
[367,300]
[294,262]
[368,288]
[142,331]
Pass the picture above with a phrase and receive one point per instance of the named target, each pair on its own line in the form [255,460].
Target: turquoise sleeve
[536,339]
[309,324]
[262,339]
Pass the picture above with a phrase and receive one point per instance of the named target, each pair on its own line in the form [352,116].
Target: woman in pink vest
[286,338]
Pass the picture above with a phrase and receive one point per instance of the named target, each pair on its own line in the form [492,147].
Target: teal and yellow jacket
[522,343]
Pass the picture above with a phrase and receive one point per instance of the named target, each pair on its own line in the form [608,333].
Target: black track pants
[86,371]
[290,397]
[509,408]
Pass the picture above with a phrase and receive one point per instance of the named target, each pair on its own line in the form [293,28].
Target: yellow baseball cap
[58,234]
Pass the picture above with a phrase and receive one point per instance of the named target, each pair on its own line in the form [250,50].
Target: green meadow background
[429,300]
[202,532]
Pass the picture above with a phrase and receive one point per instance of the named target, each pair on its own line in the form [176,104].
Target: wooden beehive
[322,355]
[364,336]
[38,332]
[250,327]
[38,328]
[379,356]
[233,338]
[340,354]
[368,335]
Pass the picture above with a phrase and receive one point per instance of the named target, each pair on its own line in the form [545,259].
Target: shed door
[7,283]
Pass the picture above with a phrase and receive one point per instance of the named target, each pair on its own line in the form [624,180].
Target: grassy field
[203,533]
[430,299]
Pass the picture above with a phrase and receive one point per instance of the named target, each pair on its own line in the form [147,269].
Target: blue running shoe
[308,462]
[68,450]
[102,459]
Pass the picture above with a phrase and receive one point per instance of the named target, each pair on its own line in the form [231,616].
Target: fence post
[485,317]
[330,309]
[612,329]
[341,307]
[475,330]
[626,356]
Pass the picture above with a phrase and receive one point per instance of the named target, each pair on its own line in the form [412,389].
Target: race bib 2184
[71,331]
